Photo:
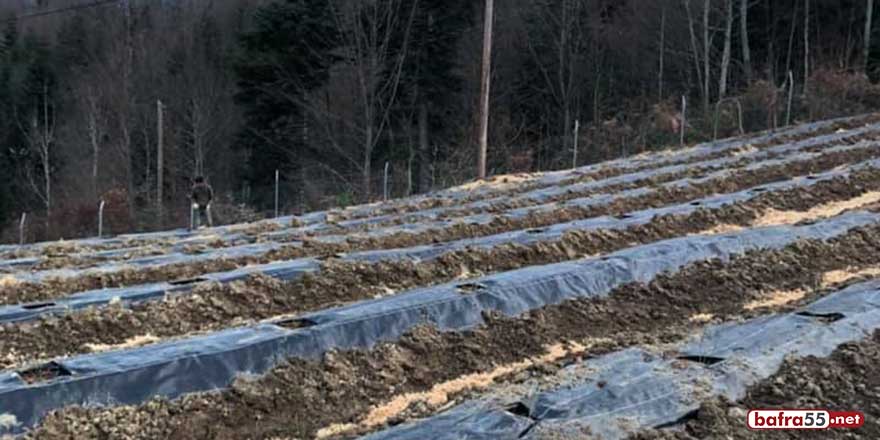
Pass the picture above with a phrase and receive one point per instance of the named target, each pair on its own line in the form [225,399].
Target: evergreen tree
[7,167]
[286,54]
[432,76]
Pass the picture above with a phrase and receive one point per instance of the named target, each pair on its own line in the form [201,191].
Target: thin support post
[790,96]
[385,183]
[684,104]
[192,216]
[21,226]
[101,219]
[574,153]
[277,190]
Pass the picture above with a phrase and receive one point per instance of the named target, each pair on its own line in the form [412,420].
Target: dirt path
[298,398]
[845,381]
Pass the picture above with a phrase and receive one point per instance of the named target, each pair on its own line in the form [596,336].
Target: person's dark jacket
[202,194]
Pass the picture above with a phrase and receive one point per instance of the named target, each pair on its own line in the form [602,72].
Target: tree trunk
[869,15]
[299,179]
[744,39]
[47,170]
[127,71]
[95,153]
[694,48]
[94,139]
[707,50]
[725,58]
[561,74]
[301,187]
[772,60]
[368,163]
[662,53]
[424,153]
[129,168]
[789,55]
[160,157]
[806,44]
[47,179]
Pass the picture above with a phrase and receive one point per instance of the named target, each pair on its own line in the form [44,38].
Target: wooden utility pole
[484,89]
[869,15]
[160,158]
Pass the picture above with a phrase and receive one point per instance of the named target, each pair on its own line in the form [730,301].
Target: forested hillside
[328,92]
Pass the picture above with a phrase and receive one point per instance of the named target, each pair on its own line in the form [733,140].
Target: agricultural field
[660,296]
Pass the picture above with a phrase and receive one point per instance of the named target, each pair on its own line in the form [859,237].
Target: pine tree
[431,75]
[7,43]
[286,54]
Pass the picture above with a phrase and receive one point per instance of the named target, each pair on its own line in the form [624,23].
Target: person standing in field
[201,195]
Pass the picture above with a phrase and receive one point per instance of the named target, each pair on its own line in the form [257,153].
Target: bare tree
[424,151]
[564,72]
[744,38]
[40,135]
[725,57]
[869,15]
[791,37]
[96,129]
[806,45]
[662,51]
[368,29]
[696,51]
[707,54]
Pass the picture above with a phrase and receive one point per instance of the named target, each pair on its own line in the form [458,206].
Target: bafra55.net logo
[804,419]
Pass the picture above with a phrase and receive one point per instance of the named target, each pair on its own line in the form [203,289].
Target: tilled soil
[59,257]
[23,292]
[215,306]
[299,397]
[652,181]
[83,257]
[500,206]
[61,248]
[11,293]
[845,381]
[605,172]
[61,261]
[56,258]
[408,206]
[737,181]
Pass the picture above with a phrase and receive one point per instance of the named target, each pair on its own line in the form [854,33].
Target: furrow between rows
[300,397]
